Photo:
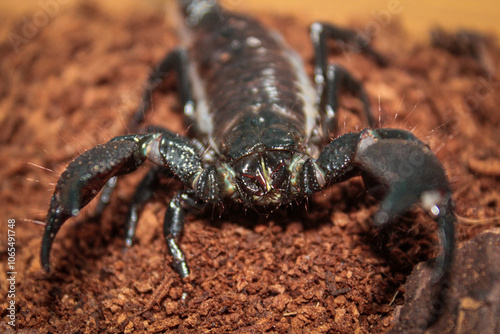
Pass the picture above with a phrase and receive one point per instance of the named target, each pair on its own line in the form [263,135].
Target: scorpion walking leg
[106,193]
[173,225]
[321,32]
[330,79]
[338,77]
[143,193]
[177,61]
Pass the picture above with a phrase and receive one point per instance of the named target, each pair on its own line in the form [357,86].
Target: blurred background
[417,17]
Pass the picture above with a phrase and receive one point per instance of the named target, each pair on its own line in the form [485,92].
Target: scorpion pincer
[264,132]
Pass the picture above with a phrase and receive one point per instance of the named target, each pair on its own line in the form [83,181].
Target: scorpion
[263,139]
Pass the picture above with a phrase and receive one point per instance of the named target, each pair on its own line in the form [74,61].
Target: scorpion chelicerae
[264,136]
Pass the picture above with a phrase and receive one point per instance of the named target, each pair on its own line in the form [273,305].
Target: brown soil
[74,85]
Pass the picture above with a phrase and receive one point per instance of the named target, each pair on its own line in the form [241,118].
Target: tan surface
[418,16]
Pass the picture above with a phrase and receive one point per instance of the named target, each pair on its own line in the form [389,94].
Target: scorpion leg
[330,79]
[172,227]
[143,193]
[177,61]
[106,193]
[339,77]
[408,170]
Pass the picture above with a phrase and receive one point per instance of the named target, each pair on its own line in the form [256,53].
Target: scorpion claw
[412,174]
[56,217]
[81,182]
[406,171]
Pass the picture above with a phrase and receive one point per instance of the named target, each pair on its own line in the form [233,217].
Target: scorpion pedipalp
[81,182]
[408,172]
[412,174]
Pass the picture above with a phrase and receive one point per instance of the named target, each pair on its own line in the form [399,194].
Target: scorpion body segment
[263,136]
[255,108]
[252,90]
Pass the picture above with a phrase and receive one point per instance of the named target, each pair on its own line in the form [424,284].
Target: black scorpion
[264,136]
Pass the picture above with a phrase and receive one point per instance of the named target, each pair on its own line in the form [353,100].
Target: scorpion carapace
[263,135]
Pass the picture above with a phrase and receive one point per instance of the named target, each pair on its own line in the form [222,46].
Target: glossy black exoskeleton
[263,135]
